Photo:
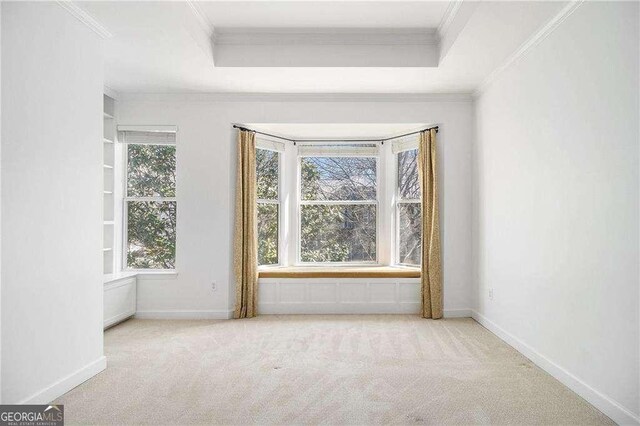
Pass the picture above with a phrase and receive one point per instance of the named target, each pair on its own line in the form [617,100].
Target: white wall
[0,203]
[51,202]
[556,205]
[206,167]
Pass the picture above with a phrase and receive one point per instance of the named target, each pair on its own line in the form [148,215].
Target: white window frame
[127,199]
[278,148]
[300,203]
[400,147]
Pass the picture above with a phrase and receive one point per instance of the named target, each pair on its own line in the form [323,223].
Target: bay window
[344,203]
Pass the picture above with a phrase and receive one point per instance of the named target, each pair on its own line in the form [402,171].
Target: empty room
[319,212]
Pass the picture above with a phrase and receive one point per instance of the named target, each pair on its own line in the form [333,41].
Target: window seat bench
[339,272]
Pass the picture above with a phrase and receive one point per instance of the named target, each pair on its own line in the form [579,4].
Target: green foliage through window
[268,178]
[338,233]
[267,234]
[151,224]
[151,234]
[267,174]
[151,170]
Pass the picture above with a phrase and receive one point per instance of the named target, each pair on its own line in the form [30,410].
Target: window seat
[339,272]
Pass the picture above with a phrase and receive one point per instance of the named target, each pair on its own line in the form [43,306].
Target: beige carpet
[361,369]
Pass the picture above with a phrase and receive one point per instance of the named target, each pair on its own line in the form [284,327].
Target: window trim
[278,202]
[125,209]
[300,202]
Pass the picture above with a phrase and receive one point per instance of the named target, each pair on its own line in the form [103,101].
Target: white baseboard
[456,313]
[608,406]
[354,309]
[117,320]
[67,383]
[184,315]
[228,314]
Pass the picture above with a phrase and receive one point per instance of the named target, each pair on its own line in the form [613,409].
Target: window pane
[338,233]
[410,241]
[151,234]
[151,170]
[267,234]
[338,178]
[408,185]
[267,174]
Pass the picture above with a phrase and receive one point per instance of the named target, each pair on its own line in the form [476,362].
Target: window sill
[339,272]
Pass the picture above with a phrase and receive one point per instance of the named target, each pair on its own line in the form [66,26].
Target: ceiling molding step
[448,17]
[84,17]
[457,20]
[205,23]
[325,36]
[534,40]
[299,97]
[325,47]
[194,21]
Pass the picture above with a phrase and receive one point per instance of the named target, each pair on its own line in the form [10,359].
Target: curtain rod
[334,140]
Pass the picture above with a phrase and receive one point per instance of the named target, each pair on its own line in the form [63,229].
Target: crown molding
[298,97]
[84,17]
[448,17]
[325,36]
[202,18]
[534,40]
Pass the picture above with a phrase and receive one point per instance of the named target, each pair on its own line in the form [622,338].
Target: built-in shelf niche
[119,288]
[108,189]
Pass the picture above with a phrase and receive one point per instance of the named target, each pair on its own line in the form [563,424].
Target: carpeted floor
[360,369]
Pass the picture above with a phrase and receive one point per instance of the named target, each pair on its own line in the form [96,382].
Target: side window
[268,188]
[408,210]
[150,203]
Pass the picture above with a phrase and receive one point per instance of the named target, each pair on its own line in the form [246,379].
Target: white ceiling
[325,14]
[163,47]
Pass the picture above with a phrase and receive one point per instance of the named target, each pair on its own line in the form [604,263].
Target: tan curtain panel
[431,262]
[245,252]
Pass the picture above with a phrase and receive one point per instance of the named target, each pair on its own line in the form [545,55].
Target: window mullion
[337,202]
[157,199]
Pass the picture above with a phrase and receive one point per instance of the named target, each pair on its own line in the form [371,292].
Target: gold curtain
[431,264]
[245,252]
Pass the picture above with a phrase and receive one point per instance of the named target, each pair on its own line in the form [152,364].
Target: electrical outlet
[490,293]
[213,286]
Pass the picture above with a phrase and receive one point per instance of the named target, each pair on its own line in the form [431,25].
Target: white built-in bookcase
[108,170]
[119,287]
